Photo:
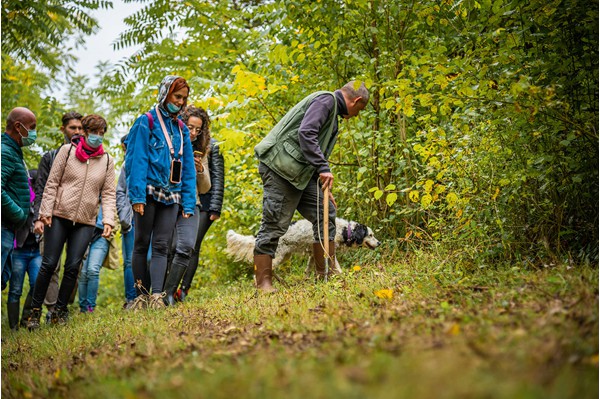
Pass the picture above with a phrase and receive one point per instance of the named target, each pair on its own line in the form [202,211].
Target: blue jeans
[8,243]
[89,278]
[127,240]
[127,246]
[23,261]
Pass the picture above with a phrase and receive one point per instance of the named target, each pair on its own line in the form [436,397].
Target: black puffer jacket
[212,201]
[44,168]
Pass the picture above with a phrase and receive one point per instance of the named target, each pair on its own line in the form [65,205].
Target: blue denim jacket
[148,160]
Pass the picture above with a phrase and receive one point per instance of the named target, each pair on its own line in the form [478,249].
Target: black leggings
[77,237]
[157,224]
[203,226]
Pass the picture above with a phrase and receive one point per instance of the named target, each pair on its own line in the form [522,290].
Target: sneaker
[33,321]
[127,305]
[157,301]
[62,316]
[140,302]
[90,309]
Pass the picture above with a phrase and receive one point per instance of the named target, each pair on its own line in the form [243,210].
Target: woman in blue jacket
[161,180]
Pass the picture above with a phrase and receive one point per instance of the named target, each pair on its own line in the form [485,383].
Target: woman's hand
[38,227]
[214,216]
[139,208]
[199,166]
[107,231]
[47,220]
[186,215]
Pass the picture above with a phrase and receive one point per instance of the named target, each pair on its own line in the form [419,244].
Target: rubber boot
[26,310]
[263,272]
[13,315]
[173,279]
[319,255]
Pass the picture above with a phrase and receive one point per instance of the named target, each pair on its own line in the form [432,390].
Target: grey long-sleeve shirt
[308,135]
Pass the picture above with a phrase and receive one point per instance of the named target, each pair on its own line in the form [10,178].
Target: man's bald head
[18,124]
[19,114]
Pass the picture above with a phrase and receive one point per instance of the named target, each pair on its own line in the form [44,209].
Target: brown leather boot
[319,256]
[263,272]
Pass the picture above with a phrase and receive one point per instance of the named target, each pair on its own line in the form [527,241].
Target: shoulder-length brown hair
[202,143]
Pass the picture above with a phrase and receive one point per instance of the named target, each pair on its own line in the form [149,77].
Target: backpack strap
[150,120]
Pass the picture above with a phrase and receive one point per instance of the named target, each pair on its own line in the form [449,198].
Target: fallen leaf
[384,294]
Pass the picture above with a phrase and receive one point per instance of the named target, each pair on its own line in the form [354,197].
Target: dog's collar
[348,239]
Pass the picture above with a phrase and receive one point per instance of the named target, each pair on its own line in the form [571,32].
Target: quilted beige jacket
[74,188]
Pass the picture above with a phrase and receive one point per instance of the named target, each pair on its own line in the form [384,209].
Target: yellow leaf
[428,186]
[384,294]
[391,198]
[495,195]
[426,200]
[454,329]
[451,199]
[414,196]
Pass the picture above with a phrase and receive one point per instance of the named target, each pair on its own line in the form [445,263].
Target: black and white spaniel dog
[299,239]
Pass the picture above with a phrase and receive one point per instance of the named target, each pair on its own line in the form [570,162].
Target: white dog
[299,239]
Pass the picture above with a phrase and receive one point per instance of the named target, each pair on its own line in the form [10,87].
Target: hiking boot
[181,294]
[52,317]
[33,322]
[157,301]
[140,302]
[62,316]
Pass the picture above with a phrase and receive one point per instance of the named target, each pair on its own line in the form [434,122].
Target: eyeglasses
[195,129]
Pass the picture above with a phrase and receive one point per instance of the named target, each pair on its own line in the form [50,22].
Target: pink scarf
[85,152]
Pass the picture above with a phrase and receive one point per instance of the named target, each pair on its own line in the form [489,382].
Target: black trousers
[77,236]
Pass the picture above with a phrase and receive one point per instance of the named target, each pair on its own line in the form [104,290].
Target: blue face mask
[30,139]
[94,140]
[172,108]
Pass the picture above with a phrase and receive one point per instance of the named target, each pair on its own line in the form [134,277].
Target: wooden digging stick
[326,229]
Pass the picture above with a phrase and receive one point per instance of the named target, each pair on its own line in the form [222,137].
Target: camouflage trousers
[280,200]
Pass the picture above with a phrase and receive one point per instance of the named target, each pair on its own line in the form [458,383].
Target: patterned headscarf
[164,87]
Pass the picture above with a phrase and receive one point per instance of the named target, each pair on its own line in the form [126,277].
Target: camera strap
[167,137]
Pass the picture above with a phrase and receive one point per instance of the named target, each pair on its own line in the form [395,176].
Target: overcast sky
[99,46]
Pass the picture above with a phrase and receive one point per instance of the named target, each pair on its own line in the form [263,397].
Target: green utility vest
[280,149]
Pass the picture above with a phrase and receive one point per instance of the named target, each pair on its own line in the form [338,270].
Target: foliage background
[481,135]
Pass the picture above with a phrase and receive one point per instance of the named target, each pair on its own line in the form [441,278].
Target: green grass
[446,332]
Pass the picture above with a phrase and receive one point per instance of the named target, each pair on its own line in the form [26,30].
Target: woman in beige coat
[81,174]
